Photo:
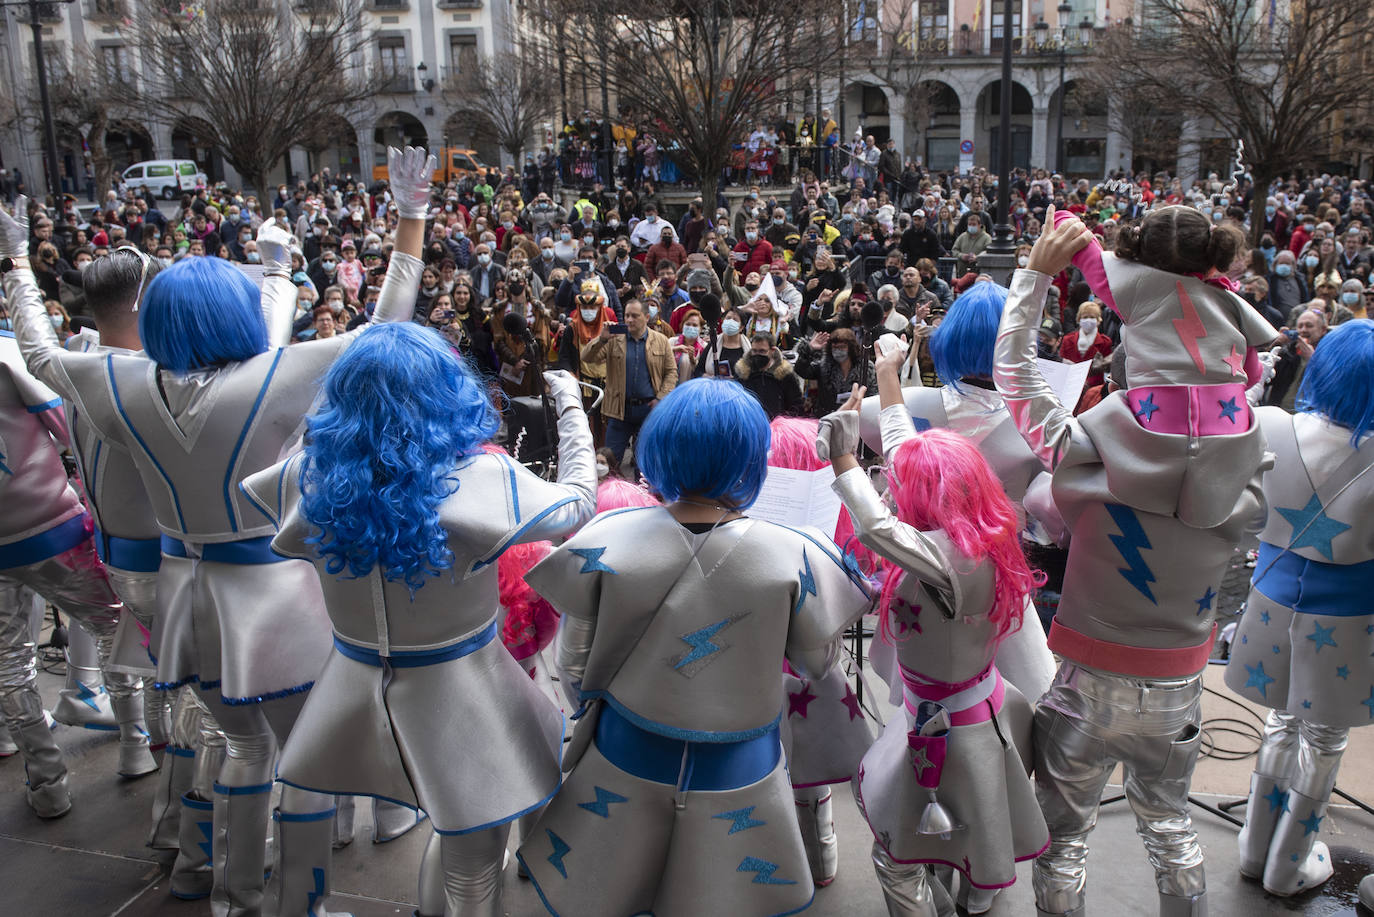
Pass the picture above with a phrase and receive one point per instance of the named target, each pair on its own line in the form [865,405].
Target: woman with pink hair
[955,587]
[825,730]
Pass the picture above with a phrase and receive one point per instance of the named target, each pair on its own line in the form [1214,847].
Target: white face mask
[1023,260]
[602,469]
[1087,326]
[56,321]
[81,266]
[588,315]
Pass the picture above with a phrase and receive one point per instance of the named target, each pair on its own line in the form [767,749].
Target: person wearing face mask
[640,370]
[724,350]
[1276,222]
[1086,343]
[1287,287]
[324,271]
[836,363]
[565,244]
[819,293]
[653,312]
[779,228]
[548,261]
[688,345]
[751,252]
[625,273]
[666,249]
[350,273]
[486,274]
[769,377]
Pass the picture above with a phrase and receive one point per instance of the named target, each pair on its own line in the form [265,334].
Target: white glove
[14,230]
[275,245]
[409,173]
[564,389]
[838,434]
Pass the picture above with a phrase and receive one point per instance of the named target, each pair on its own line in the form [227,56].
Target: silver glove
[564,389]
[275,245]
[410,173]
[14,230]
[838,434]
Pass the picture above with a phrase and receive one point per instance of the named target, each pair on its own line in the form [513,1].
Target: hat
[699,277]
[348,243]
[372,252]
[779,264]
[1050,325]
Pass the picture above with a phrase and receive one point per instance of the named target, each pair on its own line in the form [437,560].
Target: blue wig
[201,312]
[401,409]
[1336,384]
[709,438]
[962,345]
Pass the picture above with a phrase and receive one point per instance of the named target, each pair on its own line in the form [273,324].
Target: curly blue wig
[962,345]
[201,312]
[401,409]
[1336,384]
[709,439]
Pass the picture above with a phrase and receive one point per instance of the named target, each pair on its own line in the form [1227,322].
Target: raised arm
[35,335]
[895,420]
[410,172]
[1089,262]
[1046,425]
[276,244]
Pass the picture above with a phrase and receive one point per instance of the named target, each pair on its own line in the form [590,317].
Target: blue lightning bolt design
[1190,328]
[700,642]
[806,583]
[318,875]
[591,560]
[604,799]
[1130,543]
[560,850]
[207,828]
[742,819]
[764,869]
[3,467]
[86,695]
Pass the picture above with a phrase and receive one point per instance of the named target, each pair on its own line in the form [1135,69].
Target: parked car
[167,178]
[454,164]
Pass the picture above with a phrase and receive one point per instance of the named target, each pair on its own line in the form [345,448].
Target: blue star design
[920,423]
[1244,638]
[1321,636]
[591,560]
[1278,800]
[1369,629]
[1264,618]
[1369,702]
[1229,409]
[602,805]
[1276,649]
[1307,705]
[1258,678]
[560,850]
[1343,671]
[1312,823]
[1147,408]
[764,869]
[806,583]
[1205,603]
[741,818]
[1312,527]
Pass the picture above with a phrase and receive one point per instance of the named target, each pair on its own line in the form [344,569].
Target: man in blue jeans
[639,371]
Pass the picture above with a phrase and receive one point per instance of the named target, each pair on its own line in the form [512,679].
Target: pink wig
[939,480]
[794,447]
[618,493]
[530,622]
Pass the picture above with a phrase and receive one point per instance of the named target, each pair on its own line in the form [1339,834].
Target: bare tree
[84,101]
[1267,74]
[508,95]
[905,56]
[259,75]
[700,73]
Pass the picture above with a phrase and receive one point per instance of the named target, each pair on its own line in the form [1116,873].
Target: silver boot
[1274,766]
[817,822]
[1298,862]
[135,757]
[48,793]
[174,781]
[240,855]
[192,874]
[1180,906]
[345,810]
[300,883]
[1367,892]
[431,880]
[391,820]
[83,700]
[906,887]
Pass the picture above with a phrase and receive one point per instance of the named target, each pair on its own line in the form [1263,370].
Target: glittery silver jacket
[34,493]
[1154,516]
[194,437]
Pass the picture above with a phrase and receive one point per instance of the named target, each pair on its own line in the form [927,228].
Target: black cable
[1250,732]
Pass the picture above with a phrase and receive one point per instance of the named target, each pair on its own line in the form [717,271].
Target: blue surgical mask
[1270,211]
[690,332]
[1350,299]
[1311,261]
[730,327]
[1283,270]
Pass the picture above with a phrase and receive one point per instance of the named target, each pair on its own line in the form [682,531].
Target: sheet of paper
[798,498]
[254,272]
[1066,379]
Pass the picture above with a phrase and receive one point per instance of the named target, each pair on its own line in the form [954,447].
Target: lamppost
[1003,242]
[49,129]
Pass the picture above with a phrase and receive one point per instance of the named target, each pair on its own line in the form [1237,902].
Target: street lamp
[425,81]
[1003,242]
[49,130]
[1065,10]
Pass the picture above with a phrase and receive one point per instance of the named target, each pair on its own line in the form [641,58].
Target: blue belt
[414,659]
[248,552]
[57,540]
[707,765]
[1313,587]
[136,555]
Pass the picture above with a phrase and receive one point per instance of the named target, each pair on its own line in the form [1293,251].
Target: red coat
[1101,347]
[746,259]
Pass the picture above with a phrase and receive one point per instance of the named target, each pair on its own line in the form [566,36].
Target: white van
[167,178]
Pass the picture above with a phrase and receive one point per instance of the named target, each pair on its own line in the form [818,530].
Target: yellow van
[454,164]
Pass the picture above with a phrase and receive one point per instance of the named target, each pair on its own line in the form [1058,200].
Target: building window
[462,55]
[394,65]
[114,64]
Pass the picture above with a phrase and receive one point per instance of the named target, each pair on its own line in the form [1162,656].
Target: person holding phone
[640,370]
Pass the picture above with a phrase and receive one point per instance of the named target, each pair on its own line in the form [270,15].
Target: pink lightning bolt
[1190,328]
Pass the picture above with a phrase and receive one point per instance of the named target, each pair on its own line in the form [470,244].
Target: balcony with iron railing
[965,41]
[387,6]
[112,10]
[391,82]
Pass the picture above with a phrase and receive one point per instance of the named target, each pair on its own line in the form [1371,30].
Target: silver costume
[1154,518]
[45,544]
[981,417]
[419,703]
[1305,643]
[975,753]
[677,800]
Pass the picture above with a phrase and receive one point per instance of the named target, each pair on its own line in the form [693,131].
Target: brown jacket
[658,354]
